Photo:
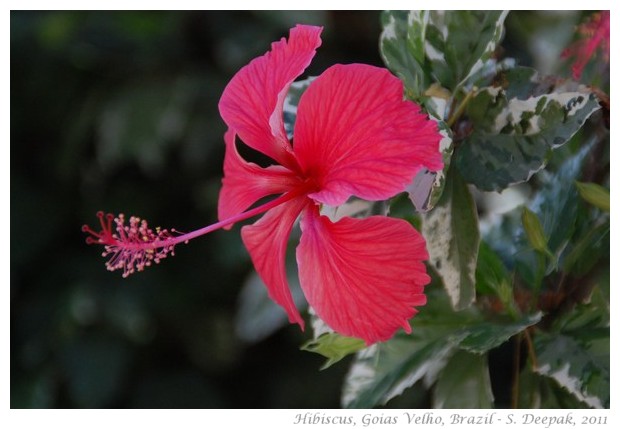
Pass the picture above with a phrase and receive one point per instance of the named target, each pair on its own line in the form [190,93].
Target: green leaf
[516,127]
[490,272]
[595,194]
[534,231]
[460,42]
[325,341]
[452,238]
[576,352]
[600,293]
[582,368]
[536,391]
[494,162]
[557,203]
[402,48]
[586,321]
[334,347]
[588,251]
[489,71]
[492,279]
[464,383]
[488,335]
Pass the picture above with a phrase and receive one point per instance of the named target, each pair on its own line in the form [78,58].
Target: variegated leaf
[385,370]
[516,128]
[486,336]
[581,369]
[402,48]
[452,238]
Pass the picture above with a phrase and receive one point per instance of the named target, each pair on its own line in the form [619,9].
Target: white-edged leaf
[488,46]
[452,237]
[483,337]
[385,370]
[581,369]
[403,54]
[517,125]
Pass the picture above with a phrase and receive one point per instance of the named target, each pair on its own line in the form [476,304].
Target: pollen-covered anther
[130,247]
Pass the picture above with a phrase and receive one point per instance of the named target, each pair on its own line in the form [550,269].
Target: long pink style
[134,246]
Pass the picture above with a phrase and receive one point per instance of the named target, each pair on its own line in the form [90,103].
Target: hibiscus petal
[245,183]
[252,101]
[266,240]
[363,277]
[355,135]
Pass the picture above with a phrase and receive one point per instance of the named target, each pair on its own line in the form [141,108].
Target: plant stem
[541,262]
[459,111]
[530,348]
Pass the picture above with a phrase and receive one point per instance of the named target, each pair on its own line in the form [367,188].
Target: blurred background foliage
[117,111]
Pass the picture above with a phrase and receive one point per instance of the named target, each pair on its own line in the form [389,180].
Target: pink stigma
[130,247]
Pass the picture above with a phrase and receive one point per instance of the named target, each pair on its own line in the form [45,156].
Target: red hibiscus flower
[354,135]
[596,35]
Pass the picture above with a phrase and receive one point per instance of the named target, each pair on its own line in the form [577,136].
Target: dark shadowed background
[117,111]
